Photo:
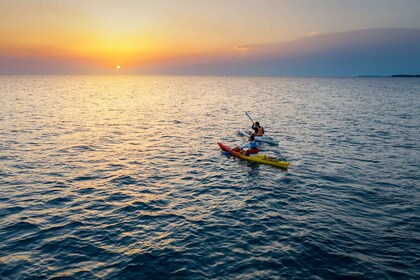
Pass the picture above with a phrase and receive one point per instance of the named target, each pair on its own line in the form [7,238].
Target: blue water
[121,178]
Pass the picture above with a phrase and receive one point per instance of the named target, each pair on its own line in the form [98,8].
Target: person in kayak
[258,129]
[251,147]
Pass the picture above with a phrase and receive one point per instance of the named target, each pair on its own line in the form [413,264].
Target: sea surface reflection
[120,177]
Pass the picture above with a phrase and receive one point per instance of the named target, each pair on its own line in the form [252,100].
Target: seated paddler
[258,129]
[251,147]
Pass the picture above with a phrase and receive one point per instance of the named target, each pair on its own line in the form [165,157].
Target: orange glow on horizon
[103,38]
[105,57]
[92,39]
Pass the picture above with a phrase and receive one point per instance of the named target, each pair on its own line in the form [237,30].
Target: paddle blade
[246,113]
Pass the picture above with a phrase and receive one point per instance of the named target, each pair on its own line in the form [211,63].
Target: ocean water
[121,178]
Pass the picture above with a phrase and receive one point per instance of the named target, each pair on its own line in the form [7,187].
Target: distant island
[406,76]
[392,76]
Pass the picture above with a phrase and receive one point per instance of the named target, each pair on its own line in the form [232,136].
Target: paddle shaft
[246,113]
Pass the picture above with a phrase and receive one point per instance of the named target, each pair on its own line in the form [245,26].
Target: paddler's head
[257,123]
[252,138]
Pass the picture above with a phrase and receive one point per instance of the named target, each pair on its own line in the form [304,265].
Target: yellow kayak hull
[256,158]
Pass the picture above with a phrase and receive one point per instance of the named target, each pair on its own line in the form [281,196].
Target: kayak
[264,138]
[256,158]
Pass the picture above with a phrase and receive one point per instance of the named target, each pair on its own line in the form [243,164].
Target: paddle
[246,113]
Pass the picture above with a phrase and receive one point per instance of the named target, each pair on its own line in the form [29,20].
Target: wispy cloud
[242,49]
[371,51]
[313,33]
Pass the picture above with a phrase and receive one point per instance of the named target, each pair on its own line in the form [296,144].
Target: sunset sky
[195,36]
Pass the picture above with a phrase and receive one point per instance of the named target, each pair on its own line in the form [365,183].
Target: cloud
[372,52]
[311,34]
[241,49]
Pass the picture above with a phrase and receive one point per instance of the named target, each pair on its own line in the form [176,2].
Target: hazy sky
[88,36]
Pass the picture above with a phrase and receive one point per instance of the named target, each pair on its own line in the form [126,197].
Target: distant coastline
[392,76]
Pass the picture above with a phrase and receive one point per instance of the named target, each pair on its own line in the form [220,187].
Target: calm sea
[121,178]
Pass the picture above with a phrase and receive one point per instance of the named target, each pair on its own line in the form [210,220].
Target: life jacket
[260,131]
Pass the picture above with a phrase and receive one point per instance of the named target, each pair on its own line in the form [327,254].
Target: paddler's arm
[254,128]
[246,145]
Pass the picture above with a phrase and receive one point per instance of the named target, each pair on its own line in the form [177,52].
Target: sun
[118,67]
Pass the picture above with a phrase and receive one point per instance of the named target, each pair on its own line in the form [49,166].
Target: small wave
[64,227]
[123,180]
[140,205]
[78,148]
[22,225]
[68,248]
[83,148]
[60,200]
[128,209]
[157,216]
[85,178]
[7,158]
[87,190]
[157,264]
[10,210]
[118,196]
[114,166]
